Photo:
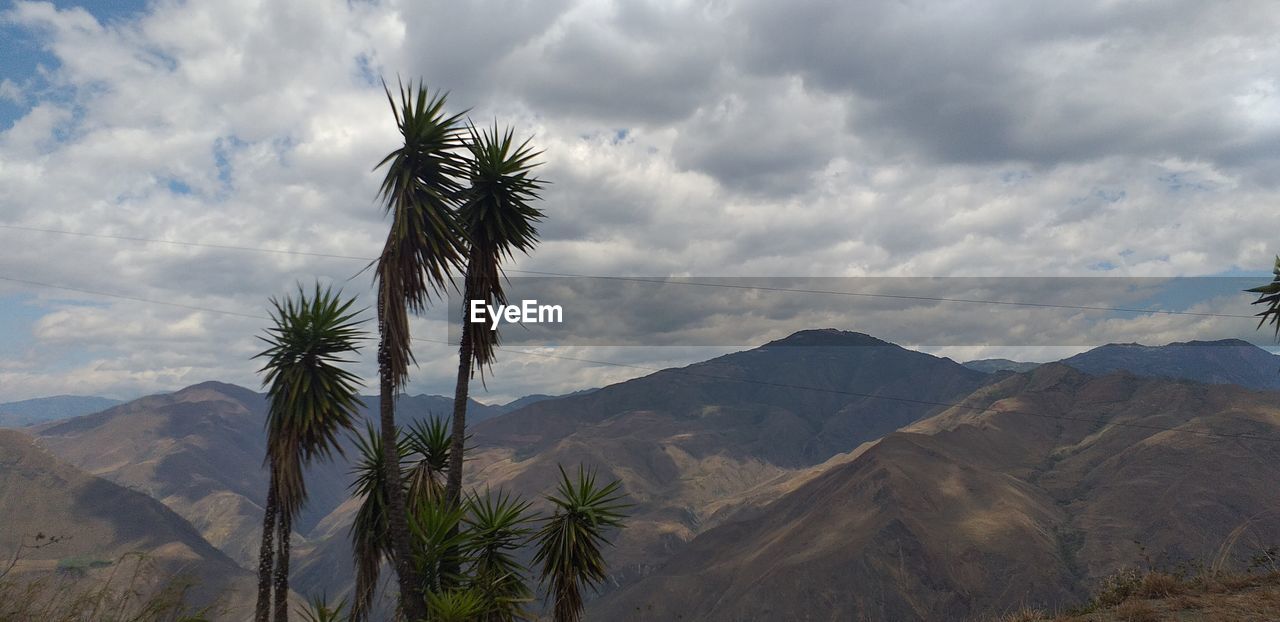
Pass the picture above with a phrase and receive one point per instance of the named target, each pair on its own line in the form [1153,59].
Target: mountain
[517,404]
[200,451]
[42,409]
[696,444]
[1027,493]
[1227,361]
[991,366]
[103,526]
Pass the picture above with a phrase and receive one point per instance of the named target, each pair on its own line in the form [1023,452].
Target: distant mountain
[42,409]
[991,366]
[1228,361]
[101,523]
[200,451]
[517,404]
[974,512]
[693,445]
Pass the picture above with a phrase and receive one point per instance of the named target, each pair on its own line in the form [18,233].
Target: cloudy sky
[751,140]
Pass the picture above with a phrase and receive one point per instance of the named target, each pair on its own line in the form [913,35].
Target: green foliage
[499,217]
[439,542]
[1269,295]
[571,540]
[497,527]
[458,605]
[311,395]
[425,242]
[318,609]
[428,444]
[370,535]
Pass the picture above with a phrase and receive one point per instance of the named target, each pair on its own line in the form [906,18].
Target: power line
[133,298]
[788,290]
[687,372]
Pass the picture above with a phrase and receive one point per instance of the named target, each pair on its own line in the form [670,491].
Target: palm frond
[1269,295]
[458,605]
[318,609]
[439,543]
[499,525]
[370,534]
[570,542]
[428,445]
[420,189]
[499,217]
[311,395]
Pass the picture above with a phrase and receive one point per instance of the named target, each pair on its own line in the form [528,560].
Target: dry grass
[1132,596]
[129,591]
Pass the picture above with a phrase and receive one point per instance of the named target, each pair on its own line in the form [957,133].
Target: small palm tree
[496,529]
[423,246]
[370,536]
[428,444]
[570,542]
[498,218]
[311,397]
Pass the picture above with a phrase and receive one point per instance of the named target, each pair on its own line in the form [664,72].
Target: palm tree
[423,245]
[370,536]
[496,528]
[498,218]
[311,397]
[570,542]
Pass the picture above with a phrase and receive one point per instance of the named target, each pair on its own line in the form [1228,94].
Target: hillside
[695,444]
[101,523]
[992,366]
[1226,361]
[42,409]
[200,452]
[976,512]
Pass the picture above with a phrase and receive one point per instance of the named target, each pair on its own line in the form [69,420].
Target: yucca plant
[1269,295]
[571,541]
[427,442]
[439,544]
[498,218]
[318,609]
[424,245]
[311,398]
[497,526]
[456,605]
[370,535]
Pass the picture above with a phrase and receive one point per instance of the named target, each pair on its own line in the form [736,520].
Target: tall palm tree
[422,247]
[311,397]
[570,542]
[498,218]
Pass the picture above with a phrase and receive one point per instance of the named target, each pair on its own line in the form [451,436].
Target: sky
[982,149]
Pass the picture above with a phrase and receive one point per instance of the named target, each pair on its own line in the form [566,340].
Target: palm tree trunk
[411,598]
[453,484]
[266,554]
[285,528]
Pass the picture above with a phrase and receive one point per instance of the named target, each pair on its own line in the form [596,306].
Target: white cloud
[948,139]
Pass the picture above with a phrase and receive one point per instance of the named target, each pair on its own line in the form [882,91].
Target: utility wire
[788,290]
[686,372]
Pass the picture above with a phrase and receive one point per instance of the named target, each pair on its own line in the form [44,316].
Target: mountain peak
[827,337]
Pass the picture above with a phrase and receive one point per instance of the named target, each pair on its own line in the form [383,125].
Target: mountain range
[42,409]
[825,472]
